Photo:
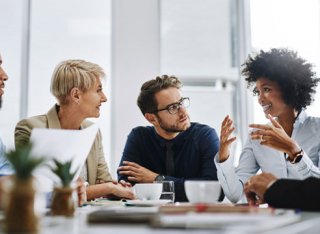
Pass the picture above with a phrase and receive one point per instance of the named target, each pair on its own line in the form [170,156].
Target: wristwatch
[159,178]
[297,157]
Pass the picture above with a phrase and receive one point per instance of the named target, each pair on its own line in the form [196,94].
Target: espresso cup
[148,191]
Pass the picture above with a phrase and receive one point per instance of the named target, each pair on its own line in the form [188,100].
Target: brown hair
[146,100]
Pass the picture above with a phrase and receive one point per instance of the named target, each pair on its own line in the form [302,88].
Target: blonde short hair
[71,74]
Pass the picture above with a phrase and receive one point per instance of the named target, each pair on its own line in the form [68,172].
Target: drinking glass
[167,190]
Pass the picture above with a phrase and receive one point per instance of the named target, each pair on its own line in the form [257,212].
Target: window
[273,25]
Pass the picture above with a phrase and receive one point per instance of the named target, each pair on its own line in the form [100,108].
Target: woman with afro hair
[288,146]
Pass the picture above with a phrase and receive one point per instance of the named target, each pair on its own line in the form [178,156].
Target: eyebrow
[255,87]
[174,102]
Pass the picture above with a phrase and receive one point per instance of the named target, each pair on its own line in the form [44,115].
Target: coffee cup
[202,191]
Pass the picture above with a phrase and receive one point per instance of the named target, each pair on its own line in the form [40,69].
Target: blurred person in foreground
[5,166]
[287,147]
[283,193]
[76,84]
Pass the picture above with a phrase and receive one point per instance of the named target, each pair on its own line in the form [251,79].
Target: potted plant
[62,201]
[19,212]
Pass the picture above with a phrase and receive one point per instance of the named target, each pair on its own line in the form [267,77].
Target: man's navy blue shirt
[194,151]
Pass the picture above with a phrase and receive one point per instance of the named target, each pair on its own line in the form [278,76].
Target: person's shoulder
[38,121]
[312,123]
[143,129]
[313,120]
[199,129]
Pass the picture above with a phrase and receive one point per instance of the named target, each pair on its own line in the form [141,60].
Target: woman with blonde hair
[76,84]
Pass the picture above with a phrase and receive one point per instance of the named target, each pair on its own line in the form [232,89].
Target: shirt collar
[301,118]
[53,118]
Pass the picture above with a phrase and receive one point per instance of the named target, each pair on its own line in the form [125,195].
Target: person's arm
[22,133]
[233,179]
[274,136]
[5,165]
[227,177]
[103,173]
[130,163]
[294,194]
[110,188]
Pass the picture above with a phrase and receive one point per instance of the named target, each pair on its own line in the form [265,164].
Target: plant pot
[20,216]
[62,202]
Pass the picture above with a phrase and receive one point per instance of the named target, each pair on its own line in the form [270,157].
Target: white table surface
[309,223]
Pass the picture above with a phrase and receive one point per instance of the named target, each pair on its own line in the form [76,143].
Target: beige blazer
[96,165]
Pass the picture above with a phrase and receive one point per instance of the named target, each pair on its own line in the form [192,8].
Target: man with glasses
[173,149]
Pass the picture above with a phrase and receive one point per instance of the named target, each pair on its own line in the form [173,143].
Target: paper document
[240,222]
[62,145]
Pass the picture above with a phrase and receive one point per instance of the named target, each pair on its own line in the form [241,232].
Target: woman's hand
[122,191]
[274,136]
[225,139]
[81,191]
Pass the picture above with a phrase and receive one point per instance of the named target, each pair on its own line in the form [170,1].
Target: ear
[75,95]
[152,118]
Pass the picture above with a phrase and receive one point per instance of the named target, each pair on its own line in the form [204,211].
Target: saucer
[147,202]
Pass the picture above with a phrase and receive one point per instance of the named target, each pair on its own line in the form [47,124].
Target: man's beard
[171,128]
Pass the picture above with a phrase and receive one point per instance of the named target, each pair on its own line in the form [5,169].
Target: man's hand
[256,187]
[137,173]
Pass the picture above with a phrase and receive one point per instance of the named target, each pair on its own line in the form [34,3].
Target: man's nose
[3,74]
[182,109]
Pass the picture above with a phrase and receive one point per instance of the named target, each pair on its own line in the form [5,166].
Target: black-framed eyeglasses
[175,107]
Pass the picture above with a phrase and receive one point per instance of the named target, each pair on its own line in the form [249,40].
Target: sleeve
[294,194]
[5,165]
[22,133]
[232,179]
[131,152]
[306,167]
[208,146]
[102,168]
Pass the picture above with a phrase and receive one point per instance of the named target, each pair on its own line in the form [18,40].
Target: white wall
[11,13]
[135,59]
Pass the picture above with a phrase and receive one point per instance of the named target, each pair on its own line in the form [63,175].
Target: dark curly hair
[146,100]
[293,74]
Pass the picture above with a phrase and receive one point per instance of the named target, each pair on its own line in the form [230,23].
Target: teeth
[266,107]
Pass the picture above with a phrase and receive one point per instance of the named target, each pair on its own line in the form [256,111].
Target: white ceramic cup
[148,191]
[202,191]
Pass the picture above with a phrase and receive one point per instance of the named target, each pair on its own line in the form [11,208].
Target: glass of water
[167,190]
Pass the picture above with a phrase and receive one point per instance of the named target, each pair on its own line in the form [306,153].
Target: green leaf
[23,162]
[62,170]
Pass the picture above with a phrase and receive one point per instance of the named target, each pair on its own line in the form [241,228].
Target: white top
[306,132]
[5,166]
